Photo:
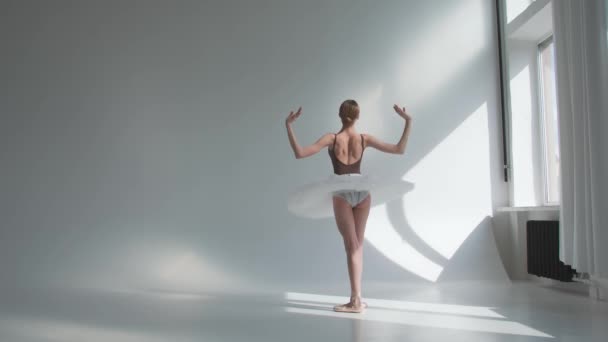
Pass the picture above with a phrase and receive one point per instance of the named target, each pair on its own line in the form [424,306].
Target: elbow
[298,155]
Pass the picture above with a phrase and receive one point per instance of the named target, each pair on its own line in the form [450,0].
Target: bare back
[348,148]
[346,153]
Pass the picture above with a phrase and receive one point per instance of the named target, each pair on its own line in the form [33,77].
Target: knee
[352,246]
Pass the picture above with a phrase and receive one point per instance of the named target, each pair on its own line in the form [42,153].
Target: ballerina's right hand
[402,113]
[293,116]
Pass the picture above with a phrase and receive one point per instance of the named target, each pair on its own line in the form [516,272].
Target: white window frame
[542,124]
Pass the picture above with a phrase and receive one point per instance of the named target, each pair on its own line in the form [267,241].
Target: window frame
[543,44]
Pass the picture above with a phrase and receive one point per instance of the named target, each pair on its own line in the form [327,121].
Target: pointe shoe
[350,307]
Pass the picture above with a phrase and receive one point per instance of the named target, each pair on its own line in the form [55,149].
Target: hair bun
[349,111]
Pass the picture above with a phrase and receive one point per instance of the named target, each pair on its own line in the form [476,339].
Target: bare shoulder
[368,139]
[367,136]
[327,139]
[329,136]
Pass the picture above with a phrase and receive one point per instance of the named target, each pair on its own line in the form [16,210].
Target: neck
[348,128]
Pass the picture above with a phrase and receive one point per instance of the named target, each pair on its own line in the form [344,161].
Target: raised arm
[398,148]
[306,151]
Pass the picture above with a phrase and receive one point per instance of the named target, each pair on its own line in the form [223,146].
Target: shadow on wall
[452,165]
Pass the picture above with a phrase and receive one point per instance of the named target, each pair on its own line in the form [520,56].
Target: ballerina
[351,204]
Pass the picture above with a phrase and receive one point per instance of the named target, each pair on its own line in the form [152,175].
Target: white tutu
[314,200]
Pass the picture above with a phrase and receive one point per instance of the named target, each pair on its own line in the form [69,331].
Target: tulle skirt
[314,200]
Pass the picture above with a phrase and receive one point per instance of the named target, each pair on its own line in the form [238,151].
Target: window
[549,122]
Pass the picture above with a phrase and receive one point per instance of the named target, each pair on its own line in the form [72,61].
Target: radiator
[543,251]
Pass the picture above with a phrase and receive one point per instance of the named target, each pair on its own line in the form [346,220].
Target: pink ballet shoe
[351,308]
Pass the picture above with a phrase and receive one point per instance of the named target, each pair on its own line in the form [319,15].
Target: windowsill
[528,209]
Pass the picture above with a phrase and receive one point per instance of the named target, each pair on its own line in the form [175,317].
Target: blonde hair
[349,112]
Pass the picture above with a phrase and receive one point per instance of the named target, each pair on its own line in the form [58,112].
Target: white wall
[142,142]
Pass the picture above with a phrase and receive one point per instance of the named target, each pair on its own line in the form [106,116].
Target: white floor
[465,312]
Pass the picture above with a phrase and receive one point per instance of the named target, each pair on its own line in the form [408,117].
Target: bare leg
[351,224]
[345,221]
[360,214]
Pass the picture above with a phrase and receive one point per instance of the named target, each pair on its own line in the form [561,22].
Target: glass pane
[550,124]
